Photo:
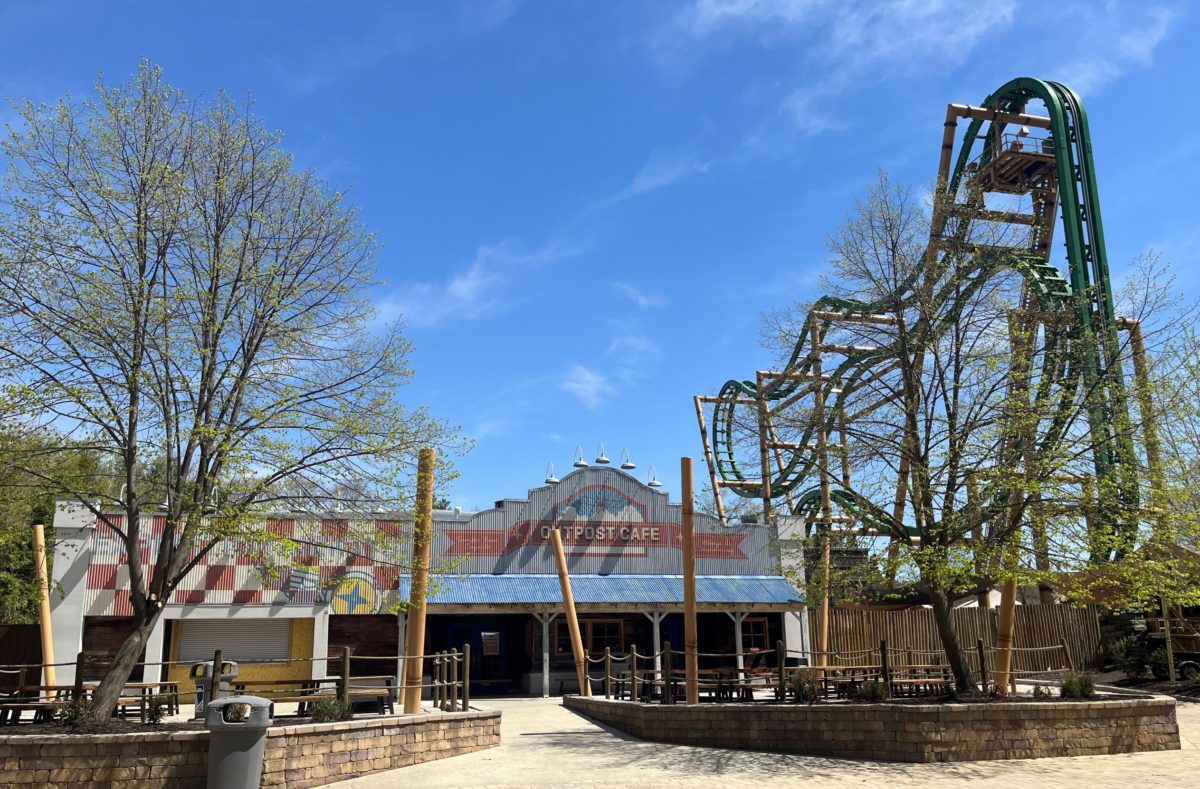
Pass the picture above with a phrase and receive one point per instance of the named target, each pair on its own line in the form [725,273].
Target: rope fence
[449,683]
[903,670]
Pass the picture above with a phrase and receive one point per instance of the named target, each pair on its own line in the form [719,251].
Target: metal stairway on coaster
[1080,351]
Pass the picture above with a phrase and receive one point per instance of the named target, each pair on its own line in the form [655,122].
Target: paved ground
[543,744]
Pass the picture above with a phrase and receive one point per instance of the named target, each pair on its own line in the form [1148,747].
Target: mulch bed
[114,726]
[1184,691]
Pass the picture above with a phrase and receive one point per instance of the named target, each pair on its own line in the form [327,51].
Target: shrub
[331,709]
[236,713]
[75,711]
[156,709]
[1042,692]
[871,691]
[806,686]
[1129,655]
[1077,685]
[1158,663]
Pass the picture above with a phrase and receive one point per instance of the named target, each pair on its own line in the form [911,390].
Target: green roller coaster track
[1081,352]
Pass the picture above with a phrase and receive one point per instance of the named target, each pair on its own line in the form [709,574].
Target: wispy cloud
[662,169]
[631,355]
[590,386]
[640,298]
[1130,36]
[392,32]
[840,44]
[474,292]
[488,428]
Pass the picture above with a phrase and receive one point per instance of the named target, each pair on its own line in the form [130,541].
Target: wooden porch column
[546,619]
[738,617]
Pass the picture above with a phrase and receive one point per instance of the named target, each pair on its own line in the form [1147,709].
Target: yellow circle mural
[354,596]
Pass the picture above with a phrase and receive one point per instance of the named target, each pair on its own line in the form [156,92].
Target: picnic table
[46,700]
[306,691]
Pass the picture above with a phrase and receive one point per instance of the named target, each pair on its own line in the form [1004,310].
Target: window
[755,637]
[595,633]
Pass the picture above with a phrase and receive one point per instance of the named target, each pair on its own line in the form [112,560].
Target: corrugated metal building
[495,588]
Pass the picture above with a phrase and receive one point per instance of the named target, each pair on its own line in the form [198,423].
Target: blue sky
[586,206]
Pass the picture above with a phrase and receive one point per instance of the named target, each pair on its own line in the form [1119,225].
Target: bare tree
[175,292]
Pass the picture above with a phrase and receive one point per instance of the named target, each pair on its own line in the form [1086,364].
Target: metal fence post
[608,672]
[453,680]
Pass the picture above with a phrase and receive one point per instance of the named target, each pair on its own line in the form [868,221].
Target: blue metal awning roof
[624,590]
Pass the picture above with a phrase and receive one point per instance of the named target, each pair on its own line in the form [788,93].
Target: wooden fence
[853,629]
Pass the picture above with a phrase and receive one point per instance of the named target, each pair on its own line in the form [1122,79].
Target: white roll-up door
[244,640]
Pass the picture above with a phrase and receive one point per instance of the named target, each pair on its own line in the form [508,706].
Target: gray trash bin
[236,747]
[200,674]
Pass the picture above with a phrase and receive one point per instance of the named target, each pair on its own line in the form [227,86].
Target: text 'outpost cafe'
[623,543]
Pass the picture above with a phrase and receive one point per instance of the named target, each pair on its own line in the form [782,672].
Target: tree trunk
[943,615]
[104,700]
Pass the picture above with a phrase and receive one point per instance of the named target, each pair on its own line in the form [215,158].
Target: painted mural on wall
[610,524]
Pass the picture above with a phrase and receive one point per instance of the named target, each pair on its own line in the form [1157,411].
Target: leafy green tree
[27,498]
[174,291]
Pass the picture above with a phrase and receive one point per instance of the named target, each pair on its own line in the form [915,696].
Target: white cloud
[640,298]
[660,170]
[489,427]
[590,386]
[632,355]
[475,292]
[838,44]
[707,17]
[1127,42]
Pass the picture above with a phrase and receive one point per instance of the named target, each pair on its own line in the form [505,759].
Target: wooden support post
[668,684]
[214,680]
[983,670]
[564,582]
[1067,654]
[422,541]
[633,673]
[43,580]
[823,612]
[885,670]
[441,681]
[453,680]
[344,676]
[1154,464]
[691,639]
[80,662]
[710,459]
[1166,614]
[1005,626]
[781,670]
[466,678]
[764,419]
[608,672]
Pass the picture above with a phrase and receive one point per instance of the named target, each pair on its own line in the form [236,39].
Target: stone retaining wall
[296,756]
[904,732]
[321,753]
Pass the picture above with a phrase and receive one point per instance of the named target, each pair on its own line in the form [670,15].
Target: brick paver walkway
[543,744]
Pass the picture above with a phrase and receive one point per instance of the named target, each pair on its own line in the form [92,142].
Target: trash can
[238,740]
[200,674]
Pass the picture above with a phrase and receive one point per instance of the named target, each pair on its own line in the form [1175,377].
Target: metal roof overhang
[606,593]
